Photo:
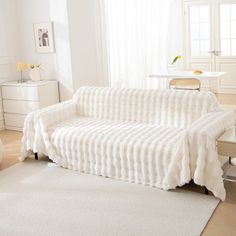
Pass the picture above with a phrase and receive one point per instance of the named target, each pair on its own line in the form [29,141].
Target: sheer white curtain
[137,34]
[175,31]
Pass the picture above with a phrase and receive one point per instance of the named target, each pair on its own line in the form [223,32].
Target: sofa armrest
[202,136]
[32,136]
[214,124]
[58,113]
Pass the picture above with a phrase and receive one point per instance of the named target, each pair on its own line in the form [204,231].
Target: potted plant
[173,66]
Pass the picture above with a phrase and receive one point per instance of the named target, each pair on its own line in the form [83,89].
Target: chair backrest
[160,107]
[186,84]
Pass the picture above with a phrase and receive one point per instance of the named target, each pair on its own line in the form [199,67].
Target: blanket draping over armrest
[202,136]
[33,140]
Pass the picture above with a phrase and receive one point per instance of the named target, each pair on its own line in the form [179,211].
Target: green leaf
[175,59]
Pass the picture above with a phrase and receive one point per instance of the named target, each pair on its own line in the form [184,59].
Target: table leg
[230,160]
[36,156]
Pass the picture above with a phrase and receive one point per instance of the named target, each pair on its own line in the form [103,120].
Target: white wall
[59,16]
[8,40]
[28,13]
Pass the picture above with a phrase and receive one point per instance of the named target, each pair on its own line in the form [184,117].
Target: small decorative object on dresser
[34,73]
[20,67]
[21,98]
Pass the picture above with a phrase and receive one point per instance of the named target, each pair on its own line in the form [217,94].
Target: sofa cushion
[124,150]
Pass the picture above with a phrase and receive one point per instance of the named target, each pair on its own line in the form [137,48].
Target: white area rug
[38,198]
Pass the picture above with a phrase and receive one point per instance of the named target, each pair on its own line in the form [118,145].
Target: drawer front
[14,120]
[20,93]
[19,107]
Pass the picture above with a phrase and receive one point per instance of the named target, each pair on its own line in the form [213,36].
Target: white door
[226,44]
[210,39]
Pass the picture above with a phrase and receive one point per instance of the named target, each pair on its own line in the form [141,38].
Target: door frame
[208,61]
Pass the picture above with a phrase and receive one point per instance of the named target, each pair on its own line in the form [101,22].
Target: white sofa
[161,138]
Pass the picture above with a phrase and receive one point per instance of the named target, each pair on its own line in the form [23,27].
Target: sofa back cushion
[161,107]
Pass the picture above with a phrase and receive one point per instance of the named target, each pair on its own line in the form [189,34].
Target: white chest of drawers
[19,99]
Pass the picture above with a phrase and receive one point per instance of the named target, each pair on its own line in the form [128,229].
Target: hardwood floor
[11,144]
[222,223]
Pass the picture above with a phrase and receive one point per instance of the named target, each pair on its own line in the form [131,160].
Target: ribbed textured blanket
[159,138]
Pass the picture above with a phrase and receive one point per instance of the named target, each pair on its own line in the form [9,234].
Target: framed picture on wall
[43,35]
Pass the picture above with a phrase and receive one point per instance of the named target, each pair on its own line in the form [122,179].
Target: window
[200,30]
[228,29]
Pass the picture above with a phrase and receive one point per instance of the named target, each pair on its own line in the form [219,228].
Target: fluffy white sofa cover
[161,138]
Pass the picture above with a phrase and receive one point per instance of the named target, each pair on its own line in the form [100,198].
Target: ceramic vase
[34,74]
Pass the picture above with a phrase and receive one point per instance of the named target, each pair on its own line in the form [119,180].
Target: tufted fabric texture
[164,107]
[159,138]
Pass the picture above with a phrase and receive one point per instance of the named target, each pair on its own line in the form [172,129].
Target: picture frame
[43,36]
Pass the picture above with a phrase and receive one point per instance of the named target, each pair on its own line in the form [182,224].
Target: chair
[185,84]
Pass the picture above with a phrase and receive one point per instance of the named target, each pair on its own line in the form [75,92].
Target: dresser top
[29,83]
[228,137]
